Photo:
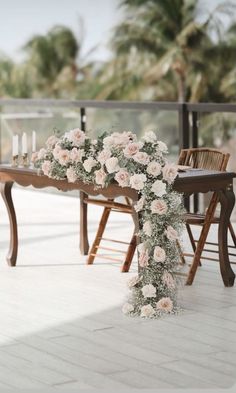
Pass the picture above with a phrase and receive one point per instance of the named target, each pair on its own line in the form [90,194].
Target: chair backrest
[204,158]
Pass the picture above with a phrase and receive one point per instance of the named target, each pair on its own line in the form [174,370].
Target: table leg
[227,201]
[7,197]
[84,244]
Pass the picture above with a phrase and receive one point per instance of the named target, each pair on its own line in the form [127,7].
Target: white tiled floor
[61,322]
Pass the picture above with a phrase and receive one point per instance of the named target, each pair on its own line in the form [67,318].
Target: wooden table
[190,182]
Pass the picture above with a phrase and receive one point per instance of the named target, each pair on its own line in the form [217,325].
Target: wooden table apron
[186,182]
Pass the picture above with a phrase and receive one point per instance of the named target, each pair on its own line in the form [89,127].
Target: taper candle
[24,144]
[15,145]
[33,141]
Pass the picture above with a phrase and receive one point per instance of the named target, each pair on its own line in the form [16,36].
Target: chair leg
[198,252]
[129,255]
[100,231]
[84,244]
[191,238]
[232,233]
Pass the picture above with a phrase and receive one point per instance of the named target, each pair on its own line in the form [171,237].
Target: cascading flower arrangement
[141,165]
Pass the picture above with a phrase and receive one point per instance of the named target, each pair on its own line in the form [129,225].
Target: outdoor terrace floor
[61,321]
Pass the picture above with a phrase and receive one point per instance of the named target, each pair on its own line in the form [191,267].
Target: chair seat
[198,219]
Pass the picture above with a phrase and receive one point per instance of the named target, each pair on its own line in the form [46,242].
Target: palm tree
[52,62]
[14,79]
[166,46]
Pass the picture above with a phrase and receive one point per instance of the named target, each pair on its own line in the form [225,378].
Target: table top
[189,181]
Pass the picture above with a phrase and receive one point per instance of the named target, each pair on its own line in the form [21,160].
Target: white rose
[51,141]
[147,228]
[159,254]
[154,168]
[104,155]
[139,205]
[150,137]
[147,311]
[159,188]
[158,206]
[141,157]
[41,153]
[171,233]
[89,164]
[142,247]
[122,178]
[112,165]
[100,177]
[162,147]
[149,291]
[137,181]
[133,281]
[71,175]
[170,171]
[127,308]
[165,304]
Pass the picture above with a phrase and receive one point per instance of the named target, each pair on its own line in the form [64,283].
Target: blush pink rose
[168,280]
[170,171]
[64,156]
[76,155]
[103,156]
[141,158]
[76,136]
[46,167]
[171,233]
[100,177]
[131,149]
[159,254]
[143,258]
[158,206]
[147,228]
[147,311]
[122,178]
[165,304]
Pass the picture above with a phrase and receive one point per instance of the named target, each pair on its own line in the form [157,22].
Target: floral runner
[141,165]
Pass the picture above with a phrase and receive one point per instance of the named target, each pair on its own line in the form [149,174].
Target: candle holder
[15,161]
[25,160]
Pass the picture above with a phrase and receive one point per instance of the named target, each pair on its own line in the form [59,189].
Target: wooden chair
[110,206]
[211,159]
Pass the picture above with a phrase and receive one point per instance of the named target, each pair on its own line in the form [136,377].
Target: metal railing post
[183,127]
[84,244]
[184,138]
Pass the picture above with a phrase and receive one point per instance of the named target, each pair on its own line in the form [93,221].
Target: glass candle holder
[15,161]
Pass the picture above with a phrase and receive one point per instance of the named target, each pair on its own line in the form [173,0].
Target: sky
[21,19]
